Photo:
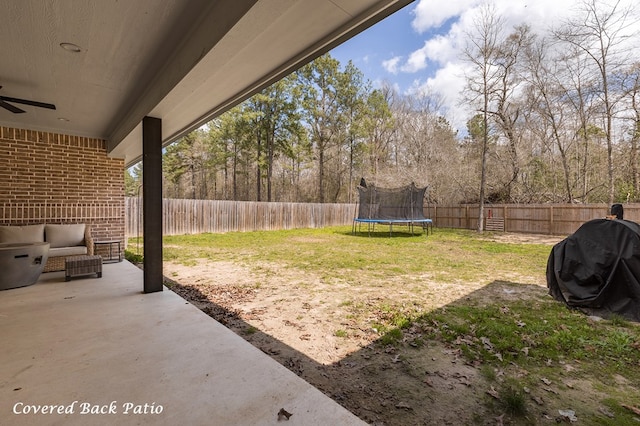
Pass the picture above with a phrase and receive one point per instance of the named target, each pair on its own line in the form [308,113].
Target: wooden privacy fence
[552,219]
[201,216]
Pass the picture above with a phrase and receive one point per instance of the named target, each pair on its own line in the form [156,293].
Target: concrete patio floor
[101,352]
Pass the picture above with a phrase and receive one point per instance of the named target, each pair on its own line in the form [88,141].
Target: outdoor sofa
[64,240]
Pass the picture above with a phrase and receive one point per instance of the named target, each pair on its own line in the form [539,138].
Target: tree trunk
[321,172]
[270,149]
[483,171]
[634,149]
[258,171]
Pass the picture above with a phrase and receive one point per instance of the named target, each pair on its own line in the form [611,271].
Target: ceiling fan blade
[28,102]
[10,107]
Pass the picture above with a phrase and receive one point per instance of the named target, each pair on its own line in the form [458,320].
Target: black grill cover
[597,269]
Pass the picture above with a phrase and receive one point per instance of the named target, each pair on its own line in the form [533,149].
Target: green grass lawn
[447,254]
[536,334]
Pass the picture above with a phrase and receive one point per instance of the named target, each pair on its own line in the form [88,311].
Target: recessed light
[71,47]
[63,119]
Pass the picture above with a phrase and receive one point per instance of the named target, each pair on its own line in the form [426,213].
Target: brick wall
[57,178]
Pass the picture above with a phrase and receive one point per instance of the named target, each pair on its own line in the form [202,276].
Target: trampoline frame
[371,224]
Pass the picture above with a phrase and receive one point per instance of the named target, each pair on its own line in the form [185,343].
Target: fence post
[466,217]
[504,216]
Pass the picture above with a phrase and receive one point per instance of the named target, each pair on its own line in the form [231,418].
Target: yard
[450,328]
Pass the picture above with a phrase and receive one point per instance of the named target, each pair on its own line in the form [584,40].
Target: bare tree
[425,146]
[507,108]
[634,95]
[482,80]
[553,105]
[600,32]
[628,83]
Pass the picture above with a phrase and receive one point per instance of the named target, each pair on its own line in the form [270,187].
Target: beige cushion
[22,234]
[64,235]
[67,251]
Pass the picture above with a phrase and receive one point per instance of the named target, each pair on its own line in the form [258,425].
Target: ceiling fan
[4,103]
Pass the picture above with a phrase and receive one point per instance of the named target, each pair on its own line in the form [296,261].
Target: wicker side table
[82,265]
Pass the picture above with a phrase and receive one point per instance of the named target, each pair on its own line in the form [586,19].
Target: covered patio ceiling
[182,61]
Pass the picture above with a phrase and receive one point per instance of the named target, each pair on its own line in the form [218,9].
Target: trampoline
[391,206]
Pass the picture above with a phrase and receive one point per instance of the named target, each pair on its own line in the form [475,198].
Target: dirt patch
[325,331]
[517,238]
[313,328]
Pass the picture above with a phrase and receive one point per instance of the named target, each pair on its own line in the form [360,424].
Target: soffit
[183,61]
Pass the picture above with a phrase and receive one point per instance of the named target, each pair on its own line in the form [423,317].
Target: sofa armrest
[88,239]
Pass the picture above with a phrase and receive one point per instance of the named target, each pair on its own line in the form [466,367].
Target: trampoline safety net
[391,206]
[403,204]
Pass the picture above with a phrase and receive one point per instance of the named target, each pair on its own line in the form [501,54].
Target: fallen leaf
[493,392]
[463,341]
[606,412]
[465,382]
[487,343]
[538,400]
[569,415]
[294,365]
[402,405]
[284,414]
[634,410]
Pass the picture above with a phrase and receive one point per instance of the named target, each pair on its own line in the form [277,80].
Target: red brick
[60,178]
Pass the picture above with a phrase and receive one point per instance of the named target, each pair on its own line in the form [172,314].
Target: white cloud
[433,13]
[417,61]
[446,45]
[391,65]
[437,50]
[438,66]
[447,82]
[441,49]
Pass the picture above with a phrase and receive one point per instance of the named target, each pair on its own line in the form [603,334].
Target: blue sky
[394,37]
[418,49]
[389,38]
